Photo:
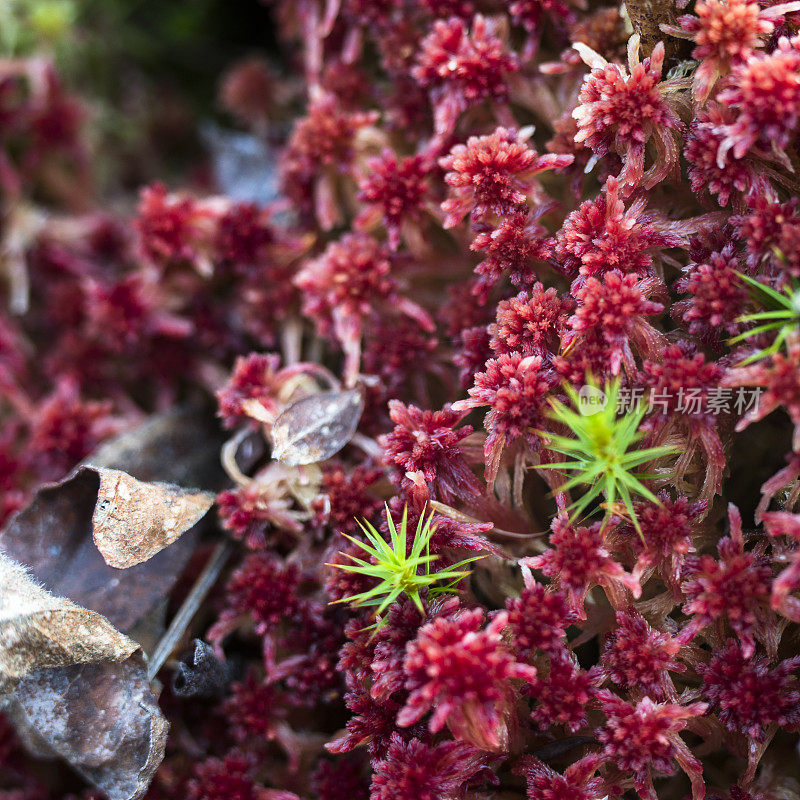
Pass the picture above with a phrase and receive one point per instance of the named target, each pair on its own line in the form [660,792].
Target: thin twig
[367,445]
[189,608]
[646,17]
[291,340]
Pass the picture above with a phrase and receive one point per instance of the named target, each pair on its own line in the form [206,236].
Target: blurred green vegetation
[147,69]
[186,44]
[28,26]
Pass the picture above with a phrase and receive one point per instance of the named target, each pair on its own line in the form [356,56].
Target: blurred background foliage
[147,70]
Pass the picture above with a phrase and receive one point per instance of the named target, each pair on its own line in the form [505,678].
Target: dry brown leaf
[316,427]
[85,697]
[76,687]
[40,631]
[102,719]
[133,520]
[52,536]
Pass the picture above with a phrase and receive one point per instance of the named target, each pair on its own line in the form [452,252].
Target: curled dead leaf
[76,687]
[316,427]
[133,520]
[53,534]
[40,631]
[86,697]
[102,719]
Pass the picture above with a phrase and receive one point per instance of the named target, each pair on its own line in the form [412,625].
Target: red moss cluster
[482,204]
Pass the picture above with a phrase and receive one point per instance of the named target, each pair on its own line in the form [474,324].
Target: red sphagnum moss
[481,203]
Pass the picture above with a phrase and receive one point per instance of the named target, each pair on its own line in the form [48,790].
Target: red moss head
[679,384]
[735,588]
[579,559]
[322,144]
[126,315]
[725,33]
[643,737]
[611,309]
[254,380]
[513,247]
[66,428]
[530,323]
[244,232]
[730,179]
[428,442]
[323,138]
[666,534]
[396,190]
[764,93]
[603,235]
[493,174]
[345,497]
[769,231]
[577,783]
[515,388]
[426,771]
[170,227]
[351,280]
[636,656]
[463,673]
[228,778]
[252,710]
[609,305]
[667,527]
[373,725]
[263,589]
[748,695]
[562,698]
[399,351]
[620,110]
[348,278]
[538,619]
[717,295]
[461,68]
[588,360]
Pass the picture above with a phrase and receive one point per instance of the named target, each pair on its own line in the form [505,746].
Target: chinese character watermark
[714,401]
